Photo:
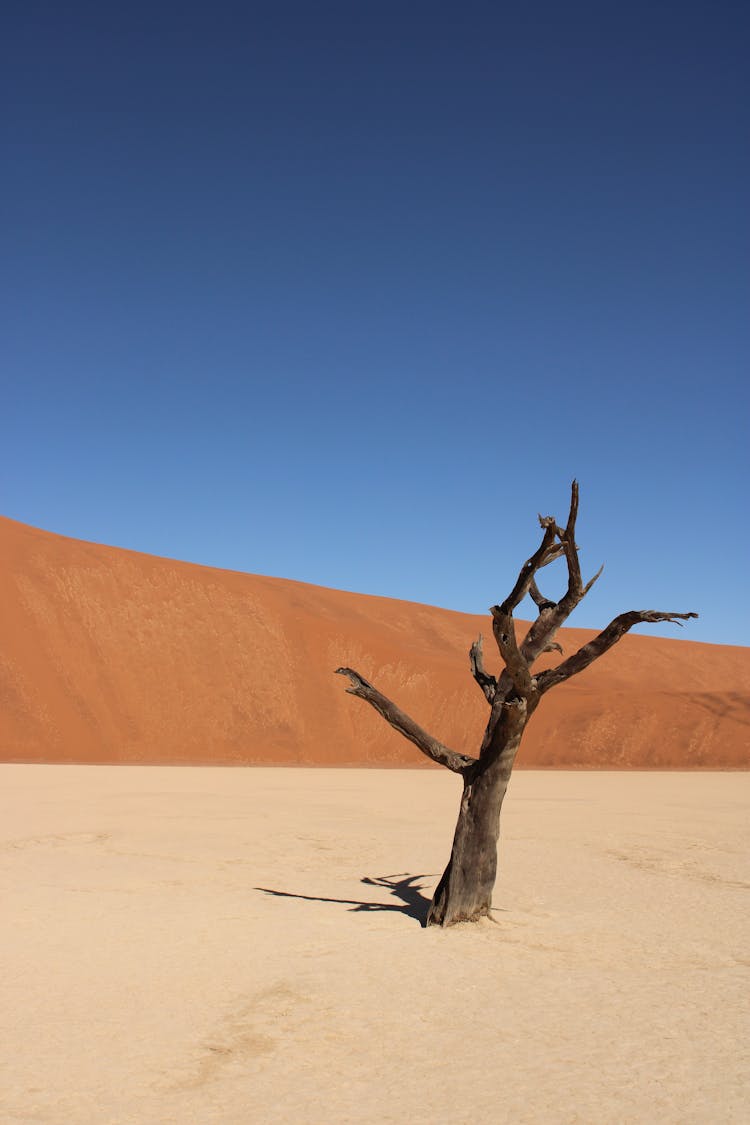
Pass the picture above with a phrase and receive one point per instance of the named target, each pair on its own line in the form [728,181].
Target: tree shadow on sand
[407,889]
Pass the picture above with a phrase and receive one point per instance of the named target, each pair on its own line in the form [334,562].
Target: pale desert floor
[146,979]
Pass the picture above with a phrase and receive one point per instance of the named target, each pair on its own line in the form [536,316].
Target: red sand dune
[108,655]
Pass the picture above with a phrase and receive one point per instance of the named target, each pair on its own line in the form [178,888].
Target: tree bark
[404,724]
[464,892]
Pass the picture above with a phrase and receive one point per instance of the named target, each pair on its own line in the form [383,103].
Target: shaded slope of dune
[108,655]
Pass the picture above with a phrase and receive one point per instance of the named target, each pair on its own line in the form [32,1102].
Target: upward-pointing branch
[546,551]
[541,635]
[487,683]
[504,631]
[567,538]
[404,724]
[517,667]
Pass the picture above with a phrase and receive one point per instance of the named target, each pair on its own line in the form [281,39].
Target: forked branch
[604,641]
[541,636]
[503,627]
[404,724]
[504,631]
[545,553]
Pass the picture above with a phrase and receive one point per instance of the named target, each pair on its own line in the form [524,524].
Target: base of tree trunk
[451,905]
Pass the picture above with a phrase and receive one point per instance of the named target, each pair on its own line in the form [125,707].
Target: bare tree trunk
[464,892]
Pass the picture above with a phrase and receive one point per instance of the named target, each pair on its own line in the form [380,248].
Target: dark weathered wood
[567,539]
[538,598]
[504,631]
[604,641]
[487,683]
[552,615]
[464,892]
[544,554]
[404,724]
[591,581]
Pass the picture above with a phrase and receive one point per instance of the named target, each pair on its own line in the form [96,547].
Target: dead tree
[465,891]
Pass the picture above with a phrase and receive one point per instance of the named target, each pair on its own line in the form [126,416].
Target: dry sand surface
[111,656]
[147,980]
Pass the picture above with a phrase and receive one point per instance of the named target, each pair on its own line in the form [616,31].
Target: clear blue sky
[349,292]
